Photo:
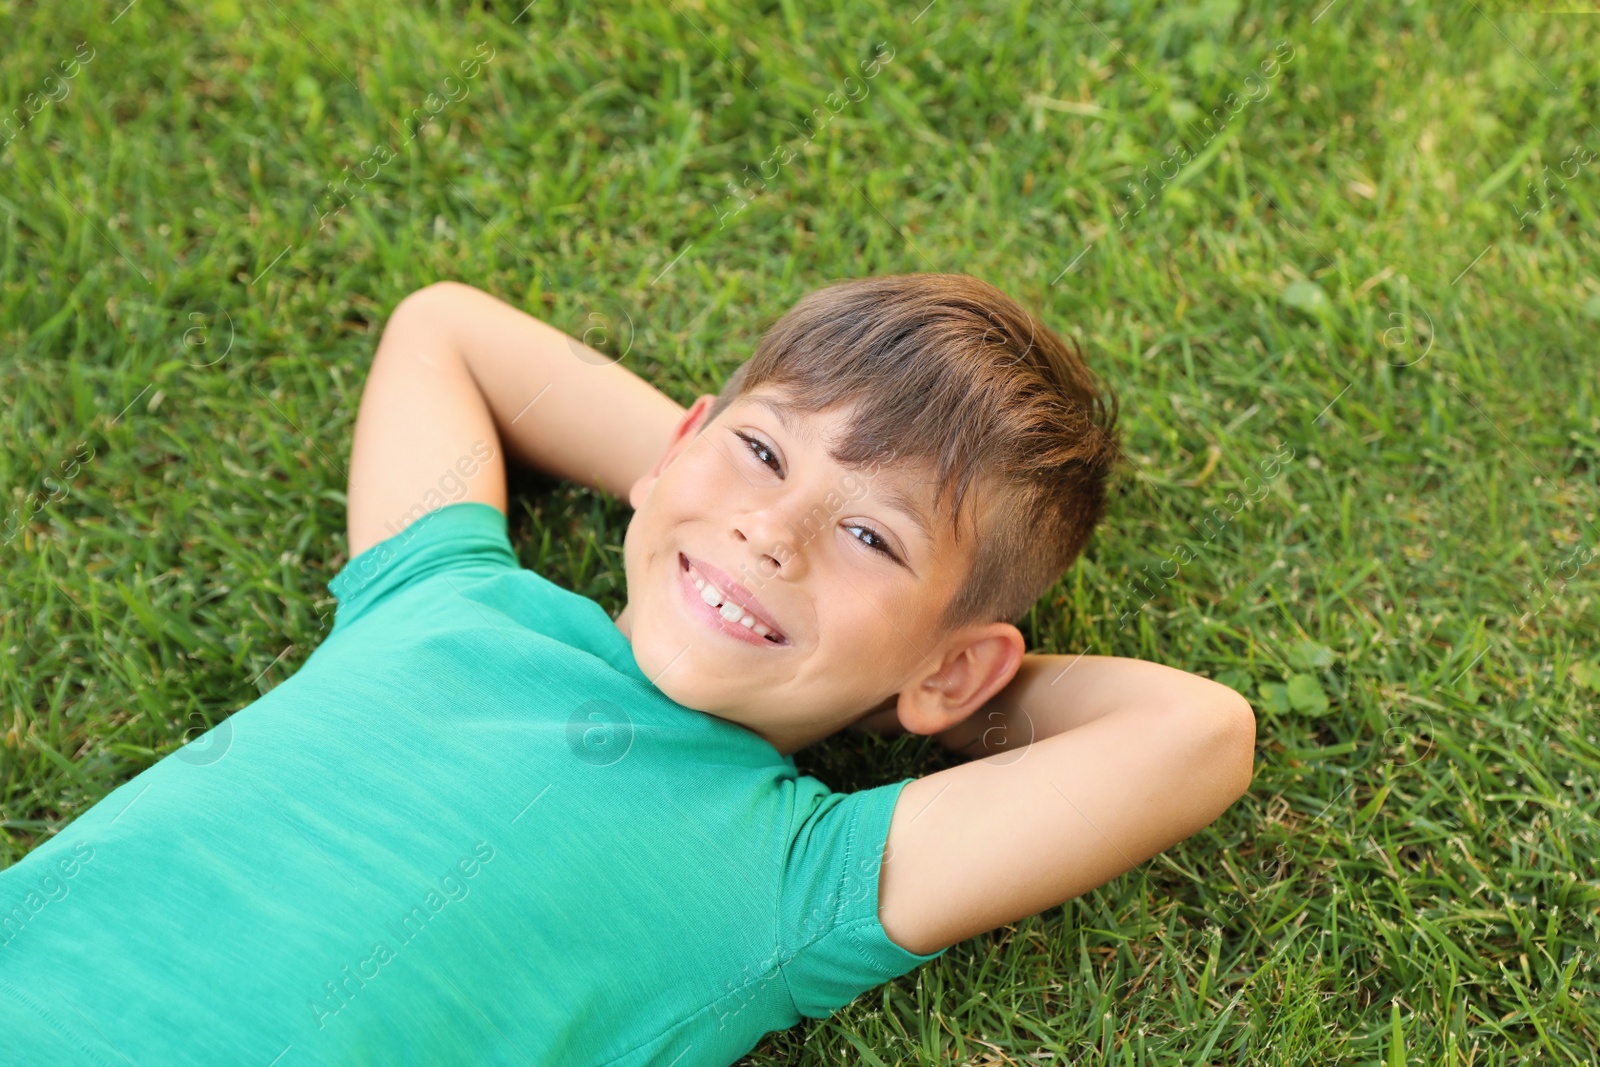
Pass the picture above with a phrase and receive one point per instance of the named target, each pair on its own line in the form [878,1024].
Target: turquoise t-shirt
[467,830]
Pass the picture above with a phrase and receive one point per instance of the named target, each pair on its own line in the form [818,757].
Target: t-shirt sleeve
[833,945]
[467,539]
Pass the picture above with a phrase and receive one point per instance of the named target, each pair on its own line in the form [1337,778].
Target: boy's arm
[1001,725]
[456,373]
[1126,758]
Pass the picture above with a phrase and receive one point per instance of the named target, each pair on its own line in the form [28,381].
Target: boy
[486,823]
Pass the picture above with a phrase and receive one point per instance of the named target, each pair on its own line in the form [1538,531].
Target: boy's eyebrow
[894,497]
[785,414]
[907,505]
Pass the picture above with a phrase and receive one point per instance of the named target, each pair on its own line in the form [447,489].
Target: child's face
[808,540]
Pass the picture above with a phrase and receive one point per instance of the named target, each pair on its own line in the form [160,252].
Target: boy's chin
[670,668]
[675,676]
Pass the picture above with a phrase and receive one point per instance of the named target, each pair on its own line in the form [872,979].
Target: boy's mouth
[734,605]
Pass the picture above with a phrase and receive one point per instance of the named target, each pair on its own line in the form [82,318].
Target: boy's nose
[769,537]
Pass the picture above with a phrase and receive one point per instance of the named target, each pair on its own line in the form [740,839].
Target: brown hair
[948,373]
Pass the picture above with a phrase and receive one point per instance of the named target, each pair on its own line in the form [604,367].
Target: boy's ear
[689,426]
[976,663]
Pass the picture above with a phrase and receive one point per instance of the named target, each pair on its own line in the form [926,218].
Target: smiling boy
[487,823]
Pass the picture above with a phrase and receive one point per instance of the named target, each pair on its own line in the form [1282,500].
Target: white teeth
[726,608]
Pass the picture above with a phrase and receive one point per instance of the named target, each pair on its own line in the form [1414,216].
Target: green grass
[1342,272]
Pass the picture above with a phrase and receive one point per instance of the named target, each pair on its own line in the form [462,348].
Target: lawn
[1338,262]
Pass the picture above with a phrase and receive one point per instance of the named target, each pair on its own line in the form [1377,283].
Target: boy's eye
[768,458]
[876,542]
[762,453]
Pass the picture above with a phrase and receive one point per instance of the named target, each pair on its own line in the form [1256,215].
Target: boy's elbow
[1236,733]
[1232,730]
[430,294]
[1219,726]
